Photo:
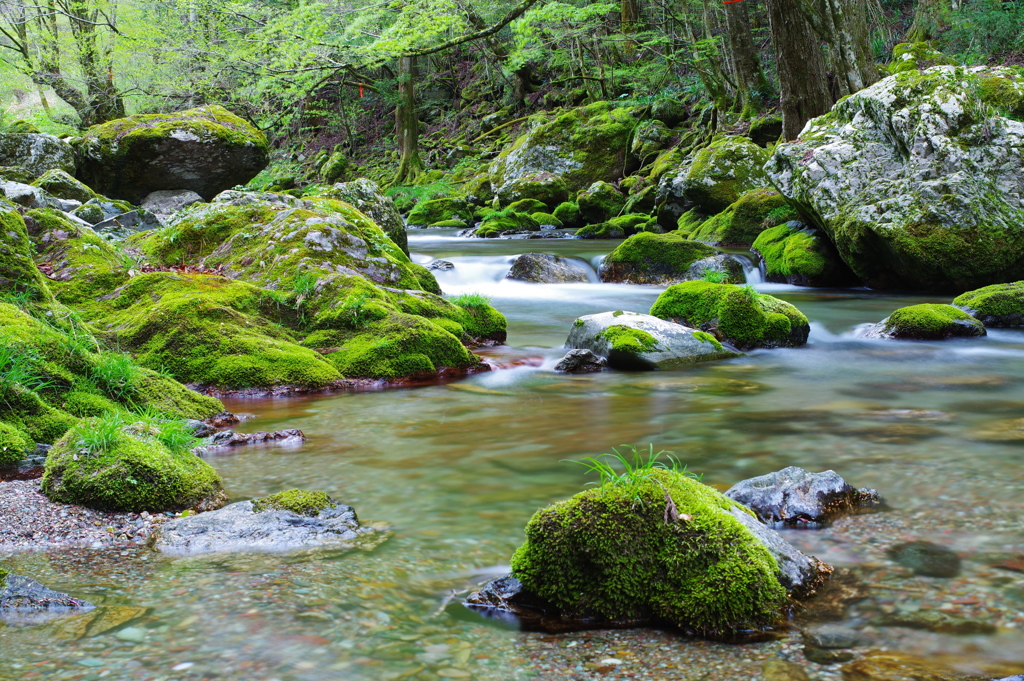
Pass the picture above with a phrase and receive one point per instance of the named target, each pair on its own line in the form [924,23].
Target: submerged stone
[794,496]
[885,666]
[289,521]
[581,362]
[633,341]
[26,602]
[926,558]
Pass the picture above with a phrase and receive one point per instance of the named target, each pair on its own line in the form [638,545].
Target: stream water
[456,471]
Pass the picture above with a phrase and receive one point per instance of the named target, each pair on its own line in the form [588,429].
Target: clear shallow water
[457,470]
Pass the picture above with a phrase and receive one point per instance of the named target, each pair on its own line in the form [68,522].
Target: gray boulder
[264,527]
[26,602]
[24,194]
[35,153]
[124,225]
[912,177]
[541,268]
[167,201]
[581,362]
[796,497]
[368,199]
[634,341]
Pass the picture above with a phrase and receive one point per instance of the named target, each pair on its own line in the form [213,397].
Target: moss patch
[14,444]
[298,501]
[744,220]
[650,258]
[996,305]
[18,272]
[930,321]
[724,171]
[608,553]
[795,254]
[736,315]
[629,340]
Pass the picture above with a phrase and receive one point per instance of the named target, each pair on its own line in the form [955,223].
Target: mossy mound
[568,212]
[647,258]
[930,321]
[62,185]
[18,271]
[298,501]
[581,146]
[505,220]
[449,224]
[724,171]
[438,210]
[661,549]
[547,219]
[617,227]
[547,188]
[14,444]
[211,331]
[599,202]
[366,197]
[999,305]
[795,254]
[736,315]
[527,206]
[134,472]
[207,149]
[744,220]
[915,56]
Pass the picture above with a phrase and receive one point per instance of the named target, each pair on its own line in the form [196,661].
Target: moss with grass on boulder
[113,466]
[18,271]
[298,501]
[14,444]
[999,305]
[739,316]
[599,202]
[930,321]
[505,221]
[436,210]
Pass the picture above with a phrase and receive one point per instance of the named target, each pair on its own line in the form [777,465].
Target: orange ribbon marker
[361,85]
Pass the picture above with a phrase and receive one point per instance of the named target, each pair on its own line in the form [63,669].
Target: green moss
[568,213]
[739,316]
[527,206]
[1004,94]
[599,202]
[547,219]
[136,473]
[796,254]
[742,221]
[724,171]
[627,339]
[608,553]
[438,210]
[912,57]
[616,228]
[188,239]
[85,404]
[14,444]
[453,223]
[62,185]
[547,188]
[298,501]
[931,322]
[689,222]
[708,338]
[18,272]
[506,220]
[651,255]
[996,305]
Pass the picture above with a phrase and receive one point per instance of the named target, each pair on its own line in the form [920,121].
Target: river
[456,471]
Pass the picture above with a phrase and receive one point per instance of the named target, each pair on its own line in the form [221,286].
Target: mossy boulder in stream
[366,197]
[130,470]
[547,188]
[745,219]
[207,149]
[658,548]
[794,253]
[999,305]
[929,321]
[648,258]
[736,315]
[722,172]
[438,210]
[599,202]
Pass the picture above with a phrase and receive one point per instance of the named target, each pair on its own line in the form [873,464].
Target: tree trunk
[928,20]
[843,25]
[746,66]
[802,78]
[630,15]
[407,124]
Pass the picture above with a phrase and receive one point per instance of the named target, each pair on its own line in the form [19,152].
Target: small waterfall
[751,268]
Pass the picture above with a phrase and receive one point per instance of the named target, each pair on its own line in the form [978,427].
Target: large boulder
[541,268]
[794,253]
[599,202]
[580,146]
[717,175]
[108,465]
[657,548]
[207,149]
[547,188]
[165,202]
[287,521]
[999,305]
[648,258]
[61,184]
[635,341]
[916,179]
[26,602]
[745,219]
[35,153]
[736,315]
[368,199]
[928,321]
[799,498]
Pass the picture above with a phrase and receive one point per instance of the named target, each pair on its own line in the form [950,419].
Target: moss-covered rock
[999,305]
[662,548]
[506,221]
[742,221]
[568,212]
[547,219]
[652,259]
[599,202]
[527,206]
[615,228]
[649,137]
[366,197]
[298,501]
[796,254]
[18,271]
[724,171]
[915,57]
[207,149]
[35,153]
[736,315]
[449,224]
[61,184]
[930,321]
[133,471]
[428,212]
[765,130]
[923,204]
[580,146]
[547,188]
[14,444]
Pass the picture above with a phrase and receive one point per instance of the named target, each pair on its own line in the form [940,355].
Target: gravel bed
[33,522]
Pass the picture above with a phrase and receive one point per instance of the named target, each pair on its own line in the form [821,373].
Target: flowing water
[456,471]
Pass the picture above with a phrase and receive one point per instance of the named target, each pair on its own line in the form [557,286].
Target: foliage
[637,466]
